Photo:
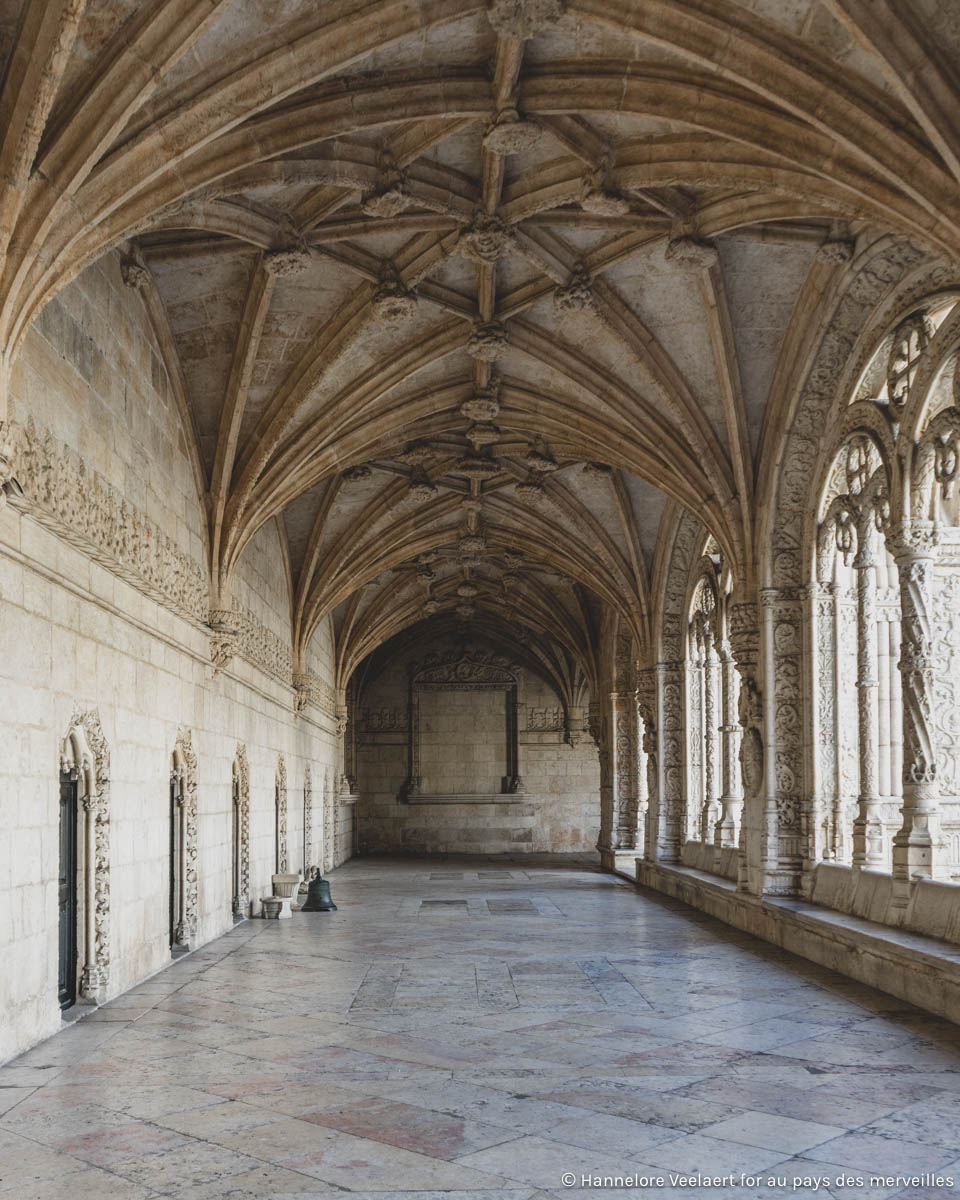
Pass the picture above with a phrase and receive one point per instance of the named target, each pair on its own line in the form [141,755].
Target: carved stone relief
[185,754]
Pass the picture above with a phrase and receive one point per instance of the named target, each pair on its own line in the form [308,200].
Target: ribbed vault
[470,300]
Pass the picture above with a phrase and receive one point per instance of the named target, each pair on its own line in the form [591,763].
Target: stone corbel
[7,482]
[223,639]
[301,691]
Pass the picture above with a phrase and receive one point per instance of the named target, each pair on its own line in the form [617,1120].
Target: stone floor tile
[773,1132]
[90,1183]
[698,1152]
[25,1163]
[441,1060]
[882,1155]
[541,1162]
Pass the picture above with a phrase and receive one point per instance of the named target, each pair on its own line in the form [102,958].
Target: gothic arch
[85,757]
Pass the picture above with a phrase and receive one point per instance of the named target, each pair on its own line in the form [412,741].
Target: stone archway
[85,758]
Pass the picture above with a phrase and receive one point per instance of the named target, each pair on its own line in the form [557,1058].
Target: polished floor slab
[471,1029]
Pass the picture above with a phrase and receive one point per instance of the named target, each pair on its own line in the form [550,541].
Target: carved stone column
[867,830]
[731,799]
[650,795]
[670,707]
[626,798]
[781,854]
[745,647]
[711,723]
[917,850]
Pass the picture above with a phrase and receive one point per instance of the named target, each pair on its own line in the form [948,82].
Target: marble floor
[483,1028]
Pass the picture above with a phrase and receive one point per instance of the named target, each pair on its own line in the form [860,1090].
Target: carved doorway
[67,894]
[240,836]
[84,860]
[175,890]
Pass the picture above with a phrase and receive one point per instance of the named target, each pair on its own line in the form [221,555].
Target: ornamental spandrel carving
[819,397]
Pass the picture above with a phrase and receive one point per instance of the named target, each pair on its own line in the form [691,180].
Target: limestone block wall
[99,571]
[558,809]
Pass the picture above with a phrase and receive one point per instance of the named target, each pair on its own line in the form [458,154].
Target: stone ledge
[920,970]
[469,798]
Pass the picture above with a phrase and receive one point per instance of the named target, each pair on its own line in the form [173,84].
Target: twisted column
[917,849]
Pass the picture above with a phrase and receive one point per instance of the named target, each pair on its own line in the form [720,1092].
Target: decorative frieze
[73,501]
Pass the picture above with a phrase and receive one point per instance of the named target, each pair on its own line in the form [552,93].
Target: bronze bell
[318,896]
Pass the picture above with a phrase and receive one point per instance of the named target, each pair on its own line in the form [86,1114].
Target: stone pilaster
[626,796]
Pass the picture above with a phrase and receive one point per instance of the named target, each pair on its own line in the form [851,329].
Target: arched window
[714,789]
[859,735]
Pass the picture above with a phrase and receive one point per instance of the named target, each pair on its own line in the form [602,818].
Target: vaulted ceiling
[471,299]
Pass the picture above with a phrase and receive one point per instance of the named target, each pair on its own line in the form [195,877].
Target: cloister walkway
[480,1028]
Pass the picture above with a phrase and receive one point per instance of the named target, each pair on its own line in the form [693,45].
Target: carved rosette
[483,405]
[576,299]
[487,240]
[487,341]
[511,133]
[394,302]
[691,253]
[287,262]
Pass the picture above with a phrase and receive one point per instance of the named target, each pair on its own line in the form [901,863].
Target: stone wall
[557,810]
[97,621]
